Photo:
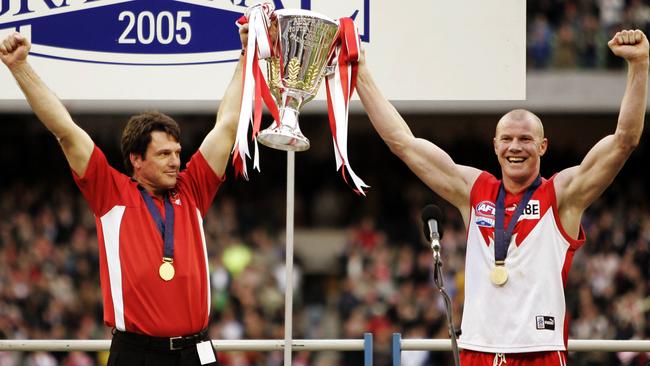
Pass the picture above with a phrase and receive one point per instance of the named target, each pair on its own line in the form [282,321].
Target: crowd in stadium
[49,275]
[573,34]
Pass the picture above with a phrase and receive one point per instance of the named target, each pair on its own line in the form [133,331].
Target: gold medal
[499,275]
[166,270]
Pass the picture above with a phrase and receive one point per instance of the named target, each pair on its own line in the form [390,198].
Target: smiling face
[158,169]
[519,144]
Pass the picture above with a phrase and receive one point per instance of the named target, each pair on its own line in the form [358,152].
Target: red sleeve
[100,184]
[200,181]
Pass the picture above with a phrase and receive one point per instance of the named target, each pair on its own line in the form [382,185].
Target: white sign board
[99,52]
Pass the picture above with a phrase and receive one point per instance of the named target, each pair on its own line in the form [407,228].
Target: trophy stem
[289,118]
[287,136]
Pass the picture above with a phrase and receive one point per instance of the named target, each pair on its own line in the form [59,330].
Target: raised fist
[14,49]
[632,45]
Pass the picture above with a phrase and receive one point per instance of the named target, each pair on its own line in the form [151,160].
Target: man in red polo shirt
[153,257]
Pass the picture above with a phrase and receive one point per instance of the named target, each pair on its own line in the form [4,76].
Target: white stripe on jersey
[111,229]
[205,256]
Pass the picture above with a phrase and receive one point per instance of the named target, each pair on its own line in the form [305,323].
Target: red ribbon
[348,56]
[261,93]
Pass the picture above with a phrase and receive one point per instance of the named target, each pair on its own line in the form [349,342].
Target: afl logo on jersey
[485,213]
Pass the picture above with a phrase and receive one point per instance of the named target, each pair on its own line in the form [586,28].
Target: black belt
[161,343]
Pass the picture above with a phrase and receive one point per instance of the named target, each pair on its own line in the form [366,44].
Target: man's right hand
[14,50]
[243,35]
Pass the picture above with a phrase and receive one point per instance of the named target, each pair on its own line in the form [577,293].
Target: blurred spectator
[589,38]
[565,48]
[611,14]
[539,42]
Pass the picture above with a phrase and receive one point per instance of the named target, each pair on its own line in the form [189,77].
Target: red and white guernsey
[136,299]
[527,313]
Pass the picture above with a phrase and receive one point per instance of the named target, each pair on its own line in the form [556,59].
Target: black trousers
[130,349]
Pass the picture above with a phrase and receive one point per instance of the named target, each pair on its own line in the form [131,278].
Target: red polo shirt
[136,299]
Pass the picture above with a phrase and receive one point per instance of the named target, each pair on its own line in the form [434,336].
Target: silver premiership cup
[302,42]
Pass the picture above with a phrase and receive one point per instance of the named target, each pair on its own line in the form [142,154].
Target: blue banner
[167,32]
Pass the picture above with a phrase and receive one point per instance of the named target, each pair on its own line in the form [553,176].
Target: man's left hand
[632,45]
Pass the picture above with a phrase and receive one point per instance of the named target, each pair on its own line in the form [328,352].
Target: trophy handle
[330,69]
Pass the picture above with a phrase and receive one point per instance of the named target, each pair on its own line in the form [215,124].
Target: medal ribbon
[166,228]
[502,235]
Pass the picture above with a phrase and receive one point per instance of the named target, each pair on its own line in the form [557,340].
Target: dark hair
[136,136]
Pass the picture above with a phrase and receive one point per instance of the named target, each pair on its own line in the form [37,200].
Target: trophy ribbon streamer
[255,89]
[340,88]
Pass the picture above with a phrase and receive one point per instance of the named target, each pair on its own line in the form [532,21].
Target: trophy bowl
[302,44]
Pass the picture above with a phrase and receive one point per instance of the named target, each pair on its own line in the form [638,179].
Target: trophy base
[283,139]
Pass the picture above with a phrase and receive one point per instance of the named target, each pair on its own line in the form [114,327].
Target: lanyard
[502,235]
[166,228]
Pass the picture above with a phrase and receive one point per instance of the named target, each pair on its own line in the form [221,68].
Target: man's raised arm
[217,145]
[75,142]
[429,162]
[579,186]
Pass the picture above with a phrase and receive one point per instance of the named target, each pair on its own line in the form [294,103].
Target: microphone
[432,220]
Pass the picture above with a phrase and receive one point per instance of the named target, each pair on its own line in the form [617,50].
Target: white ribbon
[340,108]
[258,41]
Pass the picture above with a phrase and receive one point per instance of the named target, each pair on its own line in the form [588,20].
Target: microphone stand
[437,278]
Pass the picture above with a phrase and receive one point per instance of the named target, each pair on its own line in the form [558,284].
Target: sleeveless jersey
[527,313]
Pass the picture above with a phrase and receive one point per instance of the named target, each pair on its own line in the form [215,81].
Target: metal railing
[365,345]
[575,345]
[67,345]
